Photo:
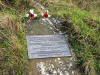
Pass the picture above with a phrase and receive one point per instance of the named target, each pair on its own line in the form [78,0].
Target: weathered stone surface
[45,46]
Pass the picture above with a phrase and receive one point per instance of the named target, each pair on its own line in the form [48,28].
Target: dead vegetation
[13,53]
[2,5]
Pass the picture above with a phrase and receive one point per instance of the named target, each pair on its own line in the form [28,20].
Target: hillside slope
[83,30]
[13,52]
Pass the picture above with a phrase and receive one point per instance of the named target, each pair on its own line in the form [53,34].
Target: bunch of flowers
[46,14]
[31,14]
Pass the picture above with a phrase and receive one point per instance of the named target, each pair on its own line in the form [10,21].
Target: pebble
[54,72]
[58,58]
[73,72]
[66,73]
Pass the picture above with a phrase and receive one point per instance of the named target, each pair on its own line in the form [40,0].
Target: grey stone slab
[45,46]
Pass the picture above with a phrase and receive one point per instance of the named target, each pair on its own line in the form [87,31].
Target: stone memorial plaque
[45,46]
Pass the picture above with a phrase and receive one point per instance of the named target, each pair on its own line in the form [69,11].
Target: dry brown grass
[13,58]
[2,5]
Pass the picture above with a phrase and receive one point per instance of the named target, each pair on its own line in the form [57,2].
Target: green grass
[85,40]
[83,30]
[13,51]
[81,26]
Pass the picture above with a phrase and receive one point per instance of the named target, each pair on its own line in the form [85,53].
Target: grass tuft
[13,53]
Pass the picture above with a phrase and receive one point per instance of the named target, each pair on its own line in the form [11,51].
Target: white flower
[27,15]
[31,11]
[35,15]
[49,15]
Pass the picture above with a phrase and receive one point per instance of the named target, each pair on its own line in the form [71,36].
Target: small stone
[54,72]
[70,65]
[66,73]
[55,60]
[58,58]
[61,73]
[43,19]
[60,62]
[73,72]
[52,65]
[51,28]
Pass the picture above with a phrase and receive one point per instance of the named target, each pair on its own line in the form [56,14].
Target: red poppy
[31,16]
[45,15]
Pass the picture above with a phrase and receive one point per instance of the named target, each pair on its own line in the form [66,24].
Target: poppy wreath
[46,15]
[31,14]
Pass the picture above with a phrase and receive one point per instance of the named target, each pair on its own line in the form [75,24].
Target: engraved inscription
[44,46]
